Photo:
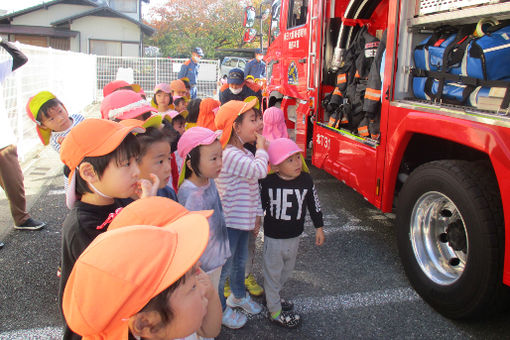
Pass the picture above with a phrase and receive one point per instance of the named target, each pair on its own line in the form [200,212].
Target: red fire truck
[443,168]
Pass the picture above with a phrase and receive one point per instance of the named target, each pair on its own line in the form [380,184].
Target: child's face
[179,126]
[181,106]
[189,306]
[210,160]
[291,167]
[182,93]
[56,119]
[157,161]
[163,99]
[119,181]
[248,127]
[260,124]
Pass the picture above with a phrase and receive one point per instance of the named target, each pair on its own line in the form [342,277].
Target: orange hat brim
[155,211]
[127,282]
[229,115]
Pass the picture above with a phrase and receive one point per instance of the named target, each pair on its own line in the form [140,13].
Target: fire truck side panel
[343,156]
[301,123]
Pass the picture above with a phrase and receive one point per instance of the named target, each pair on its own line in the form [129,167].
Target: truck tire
[450,235]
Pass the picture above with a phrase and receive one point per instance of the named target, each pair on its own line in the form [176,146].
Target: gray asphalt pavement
[352,287]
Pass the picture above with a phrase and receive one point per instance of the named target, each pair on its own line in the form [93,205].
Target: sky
[21,4]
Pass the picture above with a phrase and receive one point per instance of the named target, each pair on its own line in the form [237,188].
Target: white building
[102,27]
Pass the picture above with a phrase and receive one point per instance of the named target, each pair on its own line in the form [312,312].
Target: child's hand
[319,236]
[147,188]
[205,282]
[60,139]
[261,142]
[258,221]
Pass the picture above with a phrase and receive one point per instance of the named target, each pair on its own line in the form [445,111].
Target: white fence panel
[77,79]
[70,76]
[147,72]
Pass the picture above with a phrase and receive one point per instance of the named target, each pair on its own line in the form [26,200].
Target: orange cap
[206,113]
[177,85]
[156,211]
[227,114]
[91,138]
[123,269]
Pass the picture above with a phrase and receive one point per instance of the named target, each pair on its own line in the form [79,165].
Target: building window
[114,48]
[101,47]
[127,6]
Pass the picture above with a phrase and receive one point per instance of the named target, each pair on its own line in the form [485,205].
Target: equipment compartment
[481,97]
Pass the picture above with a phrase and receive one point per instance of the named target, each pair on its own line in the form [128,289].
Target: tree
[184,24]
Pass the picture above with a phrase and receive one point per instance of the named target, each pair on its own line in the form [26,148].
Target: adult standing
[11,177]
[238,89]
[256,67]
[190,70]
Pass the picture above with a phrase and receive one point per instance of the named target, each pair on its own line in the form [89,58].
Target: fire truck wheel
[451,237]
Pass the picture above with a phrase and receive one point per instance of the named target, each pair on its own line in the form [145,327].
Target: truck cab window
[275,19]
[297,13]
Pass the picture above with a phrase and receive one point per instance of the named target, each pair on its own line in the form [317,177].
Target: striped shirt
[57,137]
[238,186]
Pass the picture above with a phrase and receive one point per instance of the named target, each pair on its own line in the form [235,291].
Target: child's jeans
[234,267]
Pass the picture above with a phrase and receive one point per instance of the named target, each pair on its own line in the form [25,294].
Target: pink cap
[118,84]
[162,87]
[176,97]
[170,113]
[194,137]
[124,104]
[280,149]
[274,124]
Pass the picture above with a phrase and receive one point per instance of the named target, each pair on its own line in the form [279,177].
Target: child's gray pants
[279,260]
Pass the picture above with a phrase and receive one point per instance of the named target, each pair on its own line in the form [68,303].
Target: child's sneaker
[233,319]
[245,303]
[286,304]
[286,319]
[253,287]
[226,289]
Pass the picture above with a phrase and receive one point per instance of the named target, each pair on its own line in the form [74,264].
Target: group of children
[137,264]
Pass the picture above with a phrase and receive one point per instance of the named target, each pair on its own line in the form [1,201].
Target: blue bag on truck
[430,55]
[453,93]
[488,57]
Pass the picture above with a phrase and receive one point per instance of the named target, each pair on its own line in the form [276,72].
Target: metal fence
[70,76]
[77,80]
[147,72]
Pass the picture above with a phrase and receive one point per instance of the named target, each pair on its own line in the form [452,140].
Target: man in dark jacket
[256,67]
[237,89]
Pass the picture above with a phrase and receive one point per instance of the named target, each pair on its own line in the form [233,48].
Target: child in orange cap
[238,188]
[150,286]
[178,88]
[52,119]
[102,157]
